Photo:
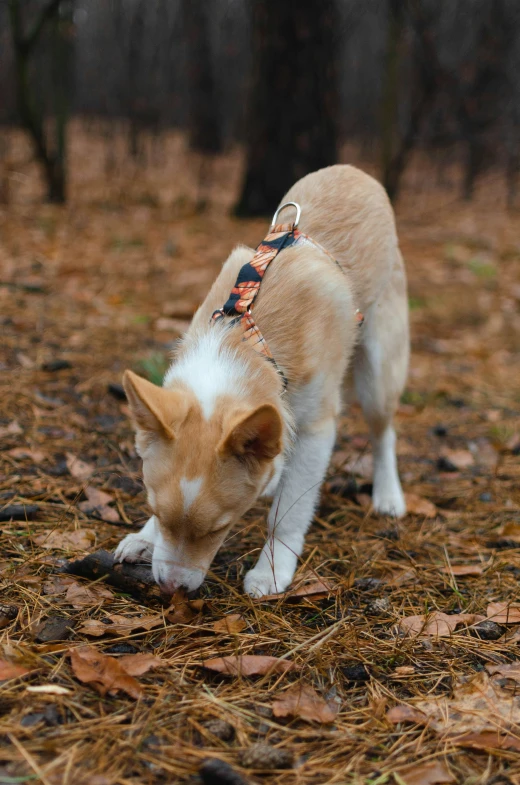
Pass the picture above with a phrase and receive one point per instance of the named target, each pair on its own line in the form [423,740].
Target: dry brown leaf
[9,670]
[24,452]
[458,459]
[489,740]
[79,469]
[182,610]
[404,713]
[418,505]
[115,624]
[437,623]
[462,570]
[57,584]
[504,612]
[78,540]
[13,429]
[248,665]
[97,505]
[508,671]
[106,674]
[307,590]
[80,596]
[139,664]
[511,531]
[233,622]
[302,701]
[432,772]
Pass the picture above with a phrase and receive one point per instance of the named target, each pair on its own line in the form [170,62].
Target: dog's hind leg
[380,369]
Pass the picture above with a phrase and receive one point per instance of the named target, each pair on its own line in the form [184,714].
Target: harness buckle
[282,207]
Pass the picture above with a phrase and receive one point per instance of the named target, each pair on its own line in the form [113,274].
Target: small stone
[379,607]
[367,584]
[56,365]
[263,756]
[218,772]
[485,497]
[57,628]
[441,431]
[357,672]
[221,729]
[118,391]
[487,630]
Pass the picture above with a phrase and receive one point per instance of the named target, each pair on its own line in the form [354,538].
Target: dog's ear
[154,409]
[257,435]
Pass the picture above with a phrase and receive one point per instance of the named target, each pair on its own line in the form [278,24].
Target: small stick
[134,579]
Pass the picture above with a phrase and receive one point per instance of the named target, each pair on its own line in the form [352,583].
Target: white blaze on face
[190,490]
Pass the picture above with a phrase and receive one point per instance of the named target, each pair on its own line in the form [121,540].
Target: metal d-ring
[282,207]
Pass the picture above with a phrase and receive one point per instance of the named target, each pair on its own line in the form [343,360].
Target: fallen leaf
[139,664]
[511,531]
[97,505]
[79,469]
[49,689]
[248,665]
[418,505]
[303,701]
[182,610]
[13,429]
[488,740]
[504,612]
[437,624]
[233,622]
[404,670]
[461,570]
[432,772]
[57,584]
[306,590]
[404,713]
[24,452]
[106,674]
[9,670]
[507,671]
[78,540]
[115,624]
[80,596]
[455,460]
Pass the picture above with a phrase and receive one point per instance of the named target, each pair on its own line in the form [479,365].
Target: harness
[247,285]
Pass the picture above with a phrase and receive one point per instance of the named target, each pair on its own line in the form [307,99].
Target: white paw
[389,502]
[134,548]
[259,582]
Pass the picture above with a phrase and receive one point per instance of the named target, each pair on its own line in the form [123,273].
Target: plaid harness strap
[250,276]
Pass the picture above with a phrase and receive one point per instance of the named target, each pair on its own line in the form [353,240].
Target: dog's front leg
[292,511]
[138,546]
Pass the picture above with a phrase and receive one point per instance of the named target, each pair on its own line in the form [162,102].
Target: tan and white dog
[221,432]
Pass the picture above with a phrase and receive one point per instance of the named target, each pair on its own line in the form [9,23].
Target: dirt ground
[404,663]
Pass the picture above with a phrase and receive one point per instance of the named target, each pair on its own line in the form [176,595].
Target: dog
[231,424]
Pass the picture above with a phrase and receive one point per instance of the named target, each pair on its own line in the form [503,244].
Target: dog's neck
[215,363]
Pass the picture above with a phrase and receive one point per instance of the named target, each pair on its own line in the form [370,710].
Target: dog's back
[348,212]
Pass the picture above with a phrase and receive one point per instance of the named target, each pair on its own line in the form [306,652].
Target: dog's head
[201,475]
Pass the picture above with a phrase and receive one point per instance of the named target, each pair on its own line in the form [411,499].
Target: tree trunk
[203,116]
[390,102]
[292,128]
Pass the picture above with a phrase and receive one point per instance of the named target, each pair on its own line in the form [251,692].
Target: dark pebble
[18,512]
[57,628]
[357,672]
[122,648]
[485,497]
[221,729]
[367,584]
[445,465]
[263,756]
[487,630]
[118,391]
[217,772]
[8,611]
[56,365]
[440,430]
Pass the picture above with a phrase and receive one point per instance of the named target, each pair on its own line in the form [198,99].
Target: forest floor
[405,663]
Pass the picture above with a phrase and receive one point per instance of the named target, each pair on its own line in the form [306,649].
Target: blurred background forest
[381,83]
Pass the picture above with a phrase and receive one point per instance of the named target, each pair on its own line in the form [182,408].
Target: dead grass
[87,284]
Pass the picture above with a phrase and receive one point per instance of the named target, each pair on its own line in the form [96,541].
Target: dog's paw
[134,548]
[259,582]
[389,502]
